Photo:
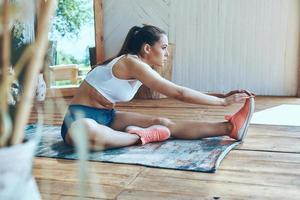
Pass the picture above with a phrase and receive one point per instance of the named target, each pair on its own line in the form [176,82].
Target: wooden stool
[63,72]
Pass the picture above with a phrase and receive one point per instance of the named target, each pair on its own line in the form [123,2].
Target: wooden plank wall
[220,45]
[120,16]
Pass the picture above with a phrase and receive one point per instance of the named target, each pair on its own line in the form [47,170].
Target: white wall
[220,44]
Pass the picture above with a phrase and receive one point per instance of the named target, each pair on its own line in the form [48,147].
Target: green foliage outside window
[70,16]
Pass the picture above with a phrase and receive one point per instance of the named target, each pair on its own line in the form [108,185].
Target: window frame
[99,44]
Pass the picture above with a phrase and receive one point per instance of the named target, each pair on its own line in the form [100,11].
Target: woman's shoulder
[128,61]
[122,59]
[128,66]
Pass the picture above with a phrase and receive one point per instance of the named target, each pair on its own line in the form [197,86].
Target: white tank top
[112,88]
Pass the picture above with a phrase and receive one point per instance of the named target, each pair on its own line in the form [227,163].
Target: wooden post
[5,56]
[298,88]
[166,72]
[98,14]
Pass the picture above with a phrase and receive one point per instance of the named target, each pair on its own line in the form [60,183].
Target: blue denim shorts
[75,112]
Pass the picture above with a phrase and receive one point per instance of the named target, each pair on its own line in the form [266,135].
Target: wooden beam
[40,5]
[99,41]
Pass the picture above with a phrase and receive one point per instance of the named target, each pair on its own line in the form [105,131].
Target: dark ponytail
[135,39]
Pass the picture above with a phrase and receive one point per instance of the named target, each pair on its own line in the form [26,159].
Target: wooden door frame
[298,93]
[99,27]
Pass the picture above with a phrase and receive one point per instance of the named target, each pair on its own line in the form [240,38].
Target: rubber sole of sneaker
[243,131]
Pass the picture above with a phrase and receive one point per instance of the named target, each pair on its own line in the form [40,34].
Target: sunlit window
[71,36]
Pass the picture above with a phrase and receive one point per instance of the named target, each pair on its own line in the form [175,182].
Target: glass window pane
[71,36]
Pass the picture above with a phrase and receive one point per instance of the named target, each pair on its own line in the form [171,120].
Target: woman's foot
[155,133]
[240,121]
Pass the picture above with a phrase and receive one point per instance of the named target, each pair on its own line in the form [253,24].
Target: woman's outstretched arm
[154,81]
[196,97]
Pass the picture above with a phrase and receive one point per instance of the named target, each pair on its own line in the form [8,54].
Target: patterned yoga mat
[202,155]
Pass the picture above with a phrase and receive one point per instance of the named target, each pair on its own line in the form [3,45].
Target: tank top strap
[111,63]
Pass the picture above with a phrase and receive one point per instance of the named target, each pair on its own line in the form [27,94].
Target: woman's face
[158,54]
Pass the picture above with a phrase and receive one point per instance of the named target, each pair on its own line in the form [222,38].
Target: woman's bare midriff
[89,96]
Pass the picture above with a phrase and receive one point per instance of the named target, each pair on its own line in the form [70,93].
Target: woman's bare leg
[101,137]
[198,130]
[178,129]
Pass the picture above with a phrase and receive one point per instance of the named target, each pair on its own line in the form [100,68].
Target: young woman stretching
[119,78]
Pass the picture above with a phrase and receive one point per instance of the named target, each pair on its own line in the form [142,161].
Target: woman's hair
[135,39]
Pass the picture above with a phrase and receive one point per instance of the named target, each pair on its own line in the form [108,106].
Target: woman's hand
[237,96]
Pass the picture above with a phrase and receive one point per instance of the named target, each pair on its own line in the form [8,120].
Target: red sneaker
[240,121]
[154,133]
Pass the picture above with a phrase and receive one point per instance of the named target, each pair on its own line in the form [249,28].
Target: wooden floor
[265,166]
